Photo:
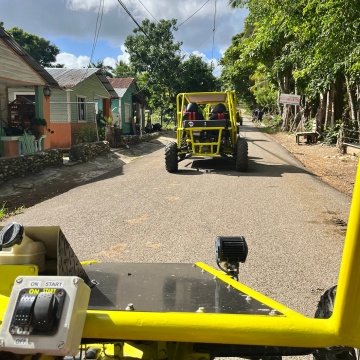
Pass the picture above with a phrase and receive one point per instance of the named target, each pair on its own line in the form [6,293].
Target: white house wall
[13,91]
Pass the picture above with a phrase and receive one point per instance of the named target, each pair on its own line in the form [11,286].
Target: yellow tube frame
[206,98]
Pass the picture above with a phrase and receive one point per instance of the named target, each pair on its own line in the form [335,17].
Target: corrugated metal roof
[68,78]
[11,42]
[121,83]
[108,86]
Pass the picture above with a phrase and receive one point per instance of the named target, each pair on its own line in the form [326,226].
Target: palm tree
[107,70]
[236,3]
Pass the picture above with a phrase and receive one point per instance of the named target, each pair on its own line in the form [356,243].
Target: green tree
[123,70]
[154,52]
[264,91]
[308,45]
[236,72]
[39,48]
[196,75]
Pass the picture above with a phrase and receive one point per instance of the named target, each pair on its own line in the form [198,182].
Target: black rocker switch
[24,310]
[44,314]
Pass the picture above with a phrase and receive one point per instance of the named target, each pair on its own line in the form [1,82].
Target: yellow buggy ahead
[207,126]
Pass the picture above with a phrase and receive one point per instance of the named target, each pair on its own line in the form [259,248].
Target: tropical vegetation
[308,47]
[305,47]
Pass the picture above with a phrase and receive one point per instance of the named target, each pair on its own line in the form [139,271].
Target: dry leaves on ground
[338,170]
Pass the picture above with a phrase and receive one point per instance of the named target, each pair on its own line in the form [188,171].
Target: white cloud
[108,61]
[70,61]
[75,21]
[90,5]
[124,56]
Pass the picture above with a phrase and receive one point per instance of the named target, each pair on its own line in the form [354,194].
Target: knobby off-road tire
[171,157]
[324,310]
[242,159]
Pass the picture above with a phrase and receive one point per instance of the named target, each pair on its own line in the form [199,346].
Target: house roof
[122,84]
[11,43]
[69,78]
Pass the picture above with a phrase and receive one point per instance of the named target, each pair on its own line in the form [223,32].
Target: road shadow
[224,166]
[144,148]
[136,150]
[53,181]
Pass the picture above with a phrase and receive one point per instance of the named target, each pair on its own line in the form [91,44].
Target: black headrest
[192,107]
[219,108]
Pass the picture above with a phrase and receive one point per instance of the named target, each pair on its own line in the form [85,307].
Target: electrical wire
[147,10]
[213,41]
[193,13]
[143,14]
[96,35]
[133,19]
[97,28]
[128,12]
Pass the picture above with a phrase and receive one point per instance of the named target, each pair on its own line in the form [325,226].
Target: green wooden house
[128,111]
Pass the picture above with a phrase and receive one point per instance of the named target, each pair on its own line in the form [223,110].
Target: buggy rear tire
[242,159]
[171,157]
[324,310]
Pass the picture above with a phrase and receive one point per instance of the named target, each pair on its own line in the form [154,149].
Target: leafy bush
[2,211]
[86,135]
[309,125]
[5,212]
[331,134]
[272,123]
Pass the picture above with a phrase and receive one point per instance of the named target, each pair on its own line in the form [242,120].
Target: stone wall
[20,166]
[23,165]
[116,140]
[85,151]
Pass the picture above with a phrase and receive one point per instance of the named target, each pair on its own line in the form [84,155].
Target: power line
[128,12]
[193,13]
[143,14]
[97,28]
[96,35]
[147,10]
[133,19]
[213,44]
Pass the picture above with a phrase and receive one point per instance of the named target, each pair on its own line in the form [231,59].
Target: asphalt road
[288,217]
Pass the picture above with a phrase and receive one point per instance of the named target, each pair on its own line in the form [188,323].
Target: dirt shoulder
[334,168]
[324,161]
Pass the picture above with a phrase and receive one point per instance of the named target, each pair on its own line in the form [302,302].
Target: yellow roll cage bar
[207,100]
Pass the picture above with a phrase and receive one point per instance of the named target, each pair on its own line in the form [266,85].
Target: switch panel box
[45,315]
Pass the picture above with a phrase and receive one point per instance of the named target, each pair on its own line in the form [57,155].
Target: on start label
[53,284]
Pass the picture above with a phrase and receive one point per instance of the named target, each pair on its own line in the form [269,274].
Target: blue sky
[71,25]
